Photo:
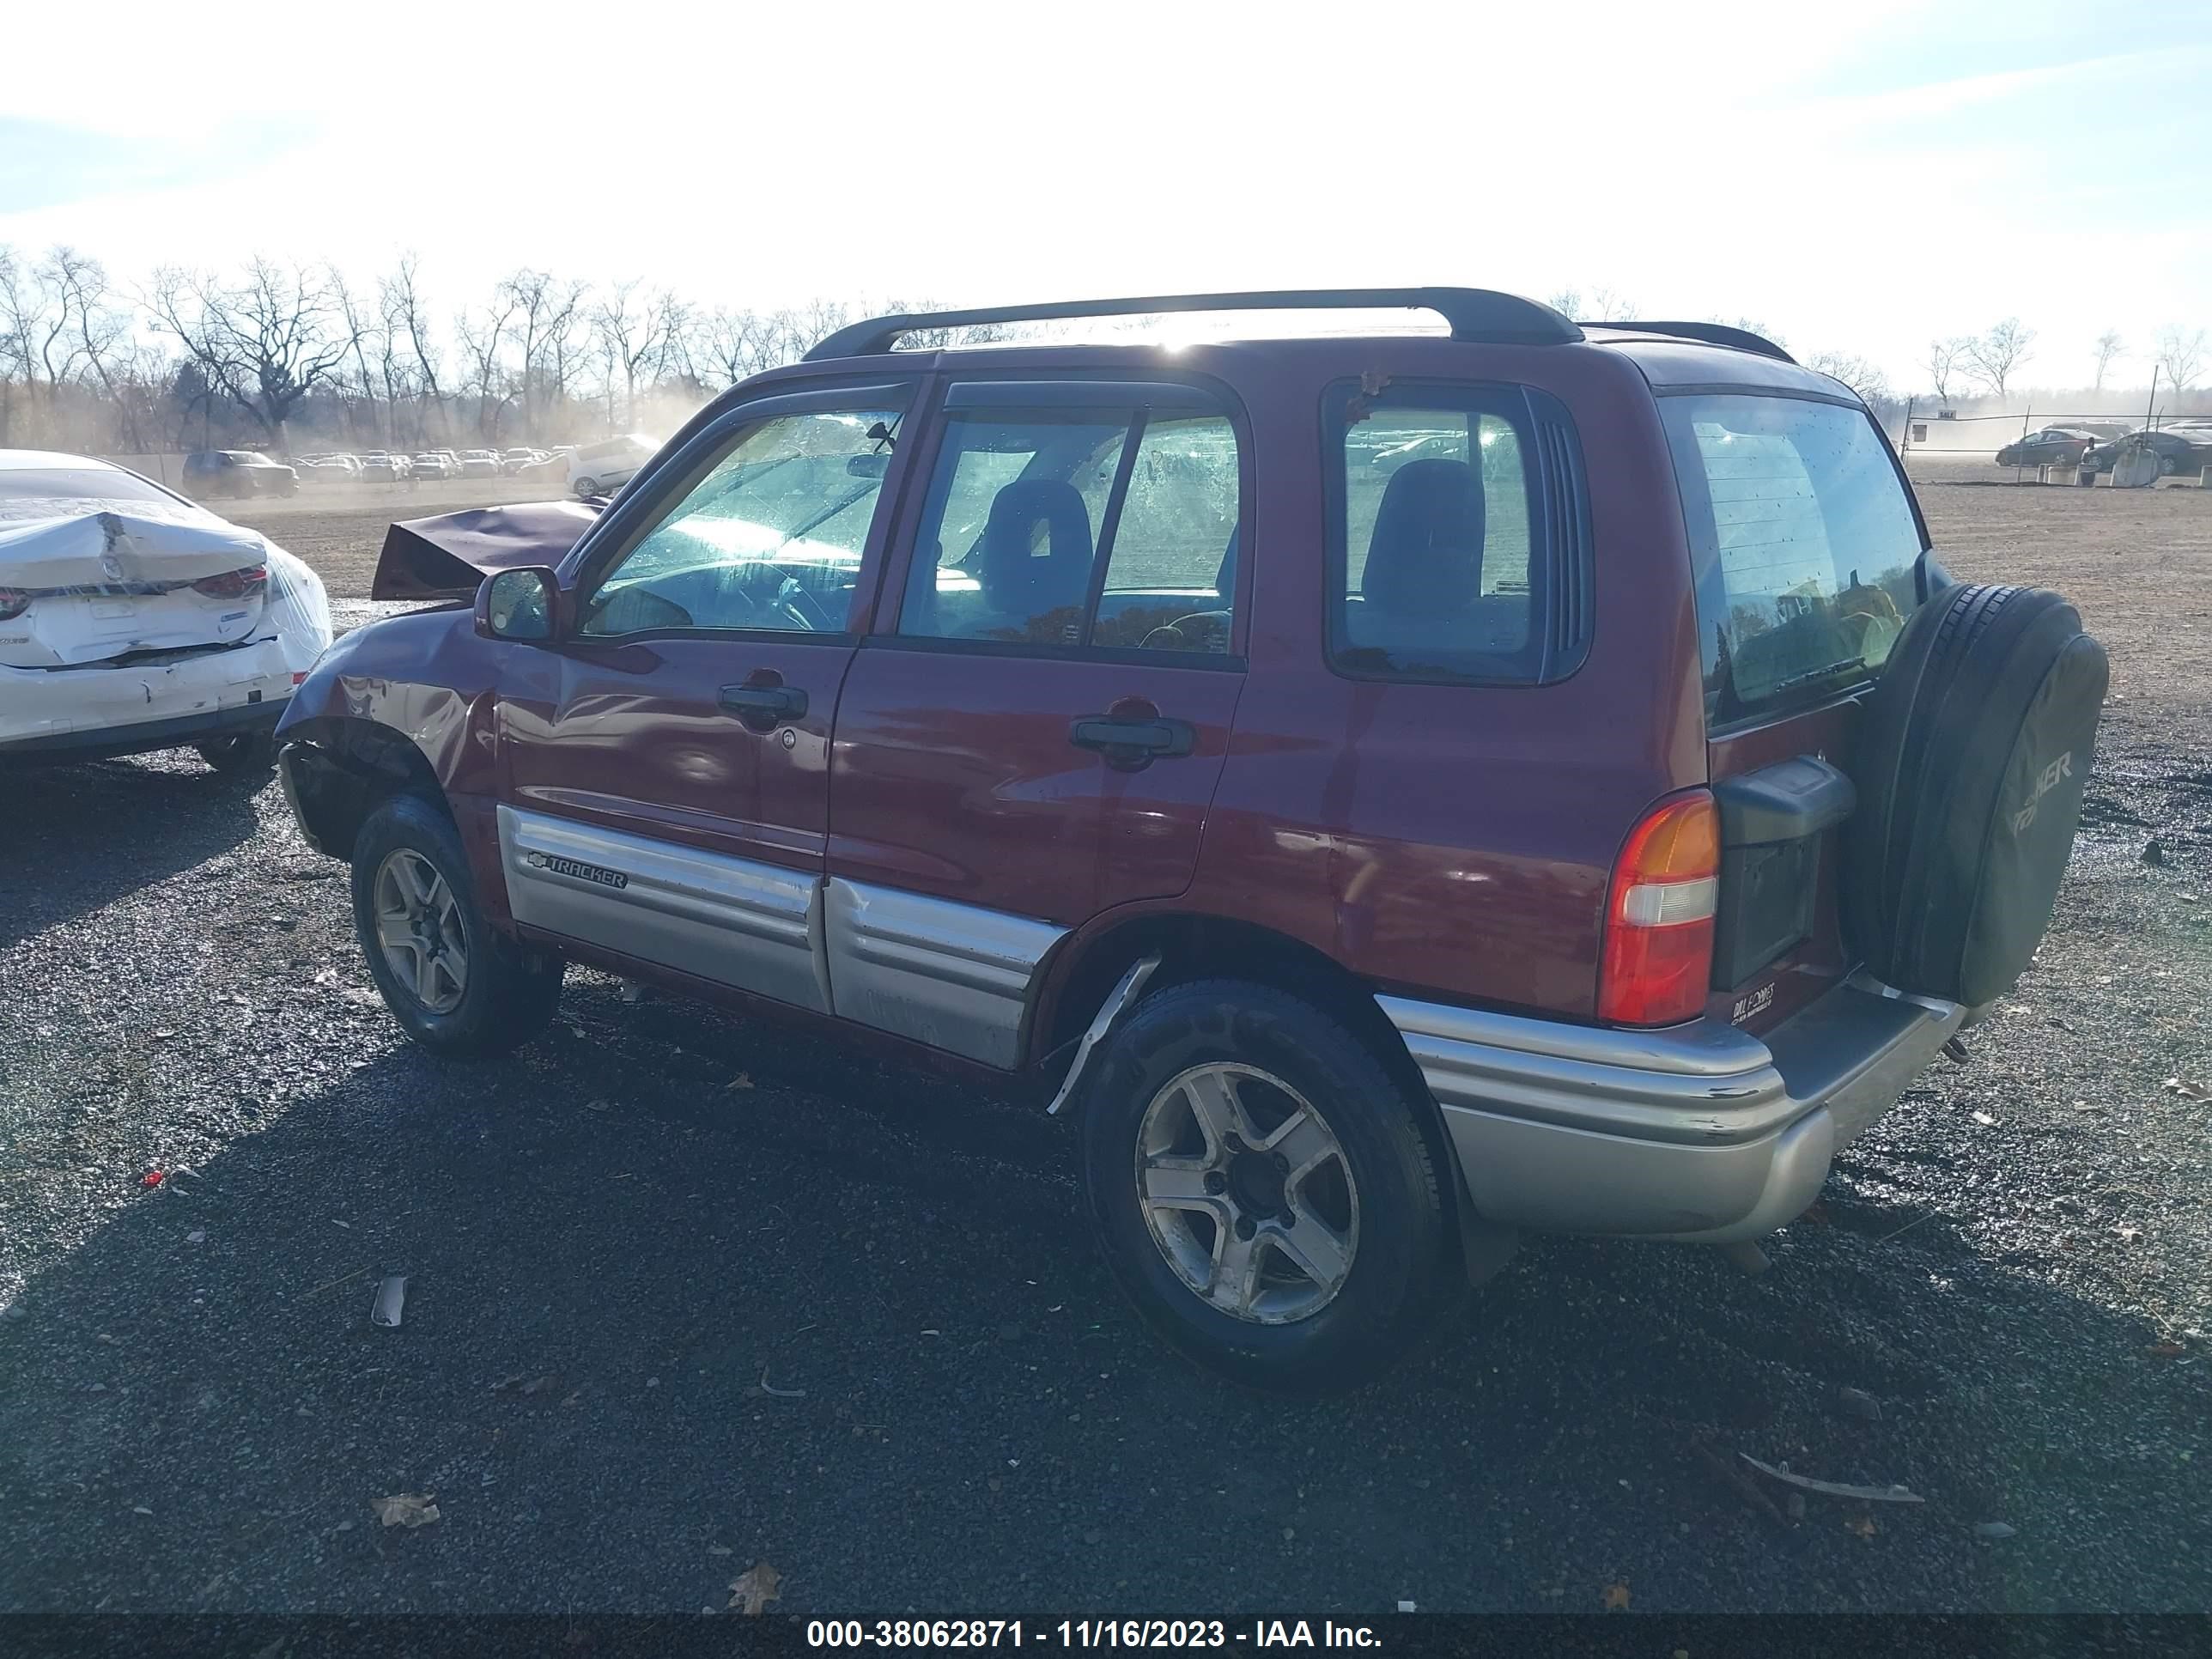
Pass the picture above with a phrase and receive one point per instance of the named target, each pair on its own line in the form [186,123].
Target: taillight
[233,584]
[14,601]
[1658,952]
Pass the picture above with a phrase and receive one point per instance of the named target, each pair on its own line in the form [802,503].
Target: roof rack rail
[1473,313]
[1711,333]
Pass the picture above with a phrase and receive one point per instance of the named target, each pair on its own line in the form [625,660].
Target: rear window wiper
[1811,674]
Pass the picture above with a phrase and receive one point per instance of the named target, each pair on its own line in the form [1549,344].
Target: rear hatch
[103,587]
[1807,550]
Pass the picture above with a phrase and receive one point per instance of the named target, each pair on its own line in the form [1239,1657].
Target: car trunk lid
[94,587]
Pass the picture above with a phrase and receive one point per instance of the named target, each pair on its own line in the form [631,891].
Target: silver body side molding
[730,919]
[952,975]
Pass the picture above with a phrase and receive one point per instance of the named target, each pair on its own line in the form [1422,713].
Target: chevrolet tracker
[1394,790]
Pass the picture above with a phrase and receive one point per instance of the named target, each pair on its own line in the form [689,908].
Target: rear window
[94,486]
[1803,543]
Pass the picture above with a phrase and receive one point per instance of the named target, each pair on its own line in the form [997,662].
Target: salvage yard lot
[687,1293]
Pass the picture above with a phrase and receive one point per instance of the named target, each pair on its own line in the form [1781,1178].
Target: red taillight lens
[14,601]
[1658,954]
[233,584]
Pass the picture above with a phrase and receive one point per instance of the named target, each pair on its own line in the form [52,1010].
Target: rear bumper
[1699,1133]
[83,714]
[143,737]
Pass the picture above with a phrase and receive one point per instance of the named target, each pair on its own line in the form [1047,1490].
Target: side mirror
[522,604]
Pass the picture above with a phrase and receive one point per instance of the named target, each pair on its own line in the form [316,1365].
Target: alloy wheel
[418,927]
[1246,1193]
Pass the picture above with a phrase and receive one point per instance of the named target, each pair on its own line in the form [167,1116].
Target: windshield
[1803,543]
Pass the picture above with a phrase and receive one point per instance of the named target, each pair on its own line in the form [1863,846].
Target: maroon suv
[1396,790]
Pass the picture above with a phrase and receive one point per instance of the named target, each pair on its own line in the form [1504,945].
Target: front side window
[1436,573]
[1073,528]
[769,536]
[1803,544]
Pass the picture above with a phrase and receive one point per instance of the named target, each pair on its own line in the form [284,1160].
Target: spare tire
[1969,769]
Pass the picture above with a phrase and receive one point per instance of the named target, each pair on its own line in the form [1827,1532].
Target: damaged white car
[132,619]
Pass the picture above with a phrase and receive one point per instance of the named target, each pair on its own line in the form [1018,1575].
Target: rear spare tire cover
[1970,765]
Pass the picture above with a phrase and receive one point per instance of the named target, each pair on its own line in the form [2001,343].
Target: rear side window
[1076,528]
[1803,544]
[1457,545]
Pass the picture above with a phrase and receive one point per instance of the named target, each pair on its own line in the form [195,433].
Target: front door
[668,775]
[1032,733]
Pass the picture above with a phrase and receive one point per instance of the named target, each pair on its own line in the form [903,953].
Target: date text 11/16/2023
[1085,1634]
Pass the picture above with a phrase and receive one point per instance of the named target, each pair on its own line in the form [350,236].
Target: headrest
[1018,576]
[1425,556]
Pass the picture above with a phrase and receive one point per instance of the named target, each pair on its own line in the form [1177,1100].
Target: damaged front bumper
[50,715]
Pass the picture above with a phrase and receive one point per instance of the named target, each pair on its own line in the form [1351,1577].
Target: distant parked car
[436,463]
[237,472]
[480,463]
[2176,451]
[2055,445]
[327,469]
[132,619]
[515,459]
[384,468]
[597,468]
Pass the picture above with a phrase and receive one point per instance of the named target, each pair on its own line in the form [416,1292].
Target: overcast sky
[1860,176]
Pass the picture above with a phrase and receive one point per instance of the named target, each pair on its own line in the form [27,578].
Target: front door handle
[764,707]
[1130,744]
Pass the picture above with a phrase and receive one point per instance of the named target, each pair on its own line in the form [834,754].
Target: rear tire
[416,915]
[238,755]
[1299,1243]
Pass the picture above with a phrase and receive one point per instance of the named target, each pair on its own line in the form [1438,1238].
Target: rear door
[668,763]
[1805,551]
[1032,732]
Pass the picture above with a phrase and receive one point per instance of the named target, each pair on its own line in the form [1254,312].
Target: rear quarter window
[1803,543]
[1458,548]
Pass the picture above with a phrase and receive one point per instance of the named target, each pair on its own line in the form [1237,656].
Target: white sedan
[132,619]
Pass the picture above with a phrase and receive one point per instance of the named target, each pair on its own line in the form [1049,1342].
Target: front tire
[586,488]
[1263,1190]
[456,984]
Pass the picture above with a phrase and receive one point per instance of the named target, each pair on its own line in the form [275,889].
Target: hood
[113,550]
[446,557]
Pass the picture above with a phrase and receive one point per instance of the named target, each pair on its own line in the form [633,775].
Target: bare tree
[1994,357]
[38,326]
[546,313]
[2180,356]
[265,342]
[484,341]
[1609,305]
[103,334]
[640,340]
[1862,374]
[2106,351]
[1567,302]
[400,298]
[739,344]
[1943,363]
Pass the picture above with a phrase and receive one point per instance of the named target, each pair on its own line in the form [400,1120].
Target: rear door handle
[1131,743]
[764,706]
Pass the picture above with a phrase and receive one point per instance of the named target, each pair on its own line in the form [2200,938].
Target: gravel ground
[687,1293]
